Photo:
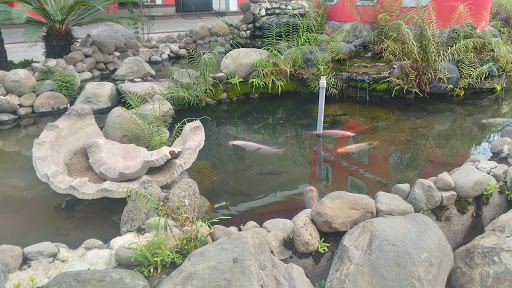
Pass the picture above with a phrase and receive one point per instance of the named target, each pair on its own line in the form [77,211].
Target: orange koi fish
[357,147]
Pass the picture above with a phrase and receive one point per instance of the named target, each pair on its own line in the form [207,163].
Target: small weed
[235,80]
[64,81]
[32,281]
[439,212]
[16,285]
[323,247]
[462,204]
[489,190]
[320,284]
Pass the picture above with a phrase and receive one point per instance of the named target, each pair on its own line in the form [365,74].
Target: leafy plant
[462,204]
[194,85]
[490,188]
[65,81]
[323,247]
[22,64]
[320,284]
[235,80]
[56,19]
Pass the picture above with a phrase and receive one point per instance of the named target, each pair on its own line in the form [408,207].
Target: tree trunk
[57,43]
[4,64]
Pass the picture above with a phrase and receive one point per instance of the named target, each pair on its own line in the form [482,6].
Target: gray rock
[3,92]
[48,85]
[89,63]
[448,198]
[220,29]
[279,226]
[74,57]
[500,173]
[361,258]
[240,62]
[154,107]
[98,57]
[424,196]
[3,276]
[242,260]
[40,250]
[316,270]
[98,96]
[245,6]
[507,132]
[260,232]
[19,82]
[24,111]
[453,224]
[487,260]
[305,235]
[254,9]
[106,47]
[220,232]
[441,86]
[11,257]
[183,196]
[402,190]
[7,106]
[85,76]
[340,211]
[388,204]
[250,225]
[248,17]
[469,182]
[120,126]
[444,182]
[95,73]
[112,278]
[50,101]
[143,89]
[496,206]
[200,32]
[133,67]
[124,256]
[7,118]
[114,33]
[498,146]
[136,214]
[92,244]
[182,53]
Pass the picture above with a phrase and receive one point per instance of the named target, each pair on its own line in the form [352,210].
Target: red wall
[478,10]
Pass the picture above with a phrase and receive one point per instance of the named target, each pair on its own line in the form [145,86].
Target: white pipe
[321,106]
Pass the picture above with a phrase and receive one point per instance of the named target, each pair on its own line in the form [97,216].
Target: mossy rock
[205,174]
[205,208]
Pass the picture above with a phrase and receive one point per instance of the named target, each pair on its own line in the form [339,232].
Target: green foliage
[58,19]
[149,130]
[22,64]
[323,247]
[165,248]
[320,284]
[501,16]
[420,51]
[16,285]
[65,81]
[489,190]
[509,194]
[178,128]
[439,212]
[192,86]
[235,80]
[462,204]
[32,282]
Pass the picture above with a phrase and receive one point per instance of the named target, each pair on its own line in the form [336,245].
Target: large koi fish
[357,147]
[255,147]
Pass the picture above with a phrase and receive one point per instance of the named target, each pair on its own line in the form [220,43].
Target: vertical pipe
[321,106]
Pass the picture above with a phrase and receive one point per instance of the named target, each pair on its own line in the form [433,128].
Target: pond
[415,140]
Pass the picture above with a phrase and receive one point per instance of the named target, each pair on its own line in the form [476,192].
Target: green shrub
[65,81]
[22,64]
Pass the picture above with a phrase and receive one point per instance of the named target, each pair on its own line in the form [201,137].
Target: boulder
[19,82]
[498,146]
[7,106]
[496,206]
[183,197]
[248,17]
[424,196]
[242,260]
[156,107]
[24,111]
[448,198]
[469,182]
[124,257]
[143,89]
[40,250]
[200,32]
[6,118]
[48,85]
[112,278]
[500,172]
[98,96]
[3,276]
[240,62]
[507,132]
[220,232]
[402,190]
[92,244]
[104,46]
[136,214]
[340,211]
[50,101]
[11,257]
[112,32]
[456,227]
[3,92]
[315,269]
[387,204]
[120,126]
[305,235]
[245,6]
[133,67]
[279,230]
[487,260]
[361,258]
[220,29]
[120,162]
[440,85]
[74,57]
[444,182]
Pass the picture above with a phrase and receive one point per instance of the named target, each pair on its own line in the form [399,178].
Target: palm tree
[53,20]
[3,54]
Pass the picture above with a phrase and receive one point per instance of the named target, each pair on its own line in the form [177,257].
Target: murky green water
[414,141]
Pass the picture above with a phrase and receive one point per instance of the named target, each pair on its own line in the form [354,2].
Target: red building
[367,11]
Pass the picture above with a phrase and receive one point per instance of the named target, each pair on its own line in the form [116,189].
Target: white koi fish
[255,147]
[334,133]
[357,147]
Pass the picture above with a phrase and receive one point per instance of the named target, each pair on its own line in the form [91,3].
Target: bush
[22,64]
[65,81]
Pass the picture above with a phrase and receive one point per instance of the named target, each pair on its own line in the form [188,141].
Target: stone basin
[60,158]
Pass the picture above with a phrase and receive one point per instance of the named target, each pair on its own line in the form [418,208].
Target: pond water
[415,140]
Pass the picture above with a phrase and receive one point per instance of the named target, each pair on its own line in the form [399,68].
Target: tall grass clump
[194,85]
